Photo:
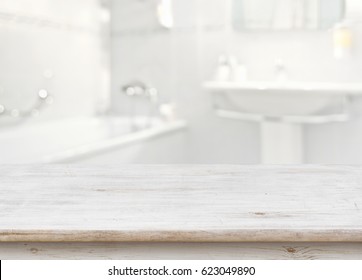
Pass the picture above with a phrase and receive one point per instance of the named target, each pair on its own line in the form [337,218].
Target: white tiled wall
[63,37]
[177,61]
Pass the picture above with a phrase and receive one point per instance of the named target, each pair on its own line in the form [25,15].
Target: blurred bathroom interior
[181,81]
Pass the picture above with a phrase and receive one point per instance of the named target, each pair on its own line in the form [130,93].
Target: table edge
[245,235]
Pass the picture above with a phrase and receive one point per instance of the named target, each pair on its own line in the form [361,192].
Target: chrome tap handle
[138,88]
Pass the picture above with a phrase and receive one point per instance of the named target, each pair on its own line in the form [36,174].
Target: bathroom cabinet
[180,212]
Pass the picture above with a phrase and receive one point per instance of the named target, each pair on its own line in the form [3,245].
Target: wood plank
[180,203]
[181,251]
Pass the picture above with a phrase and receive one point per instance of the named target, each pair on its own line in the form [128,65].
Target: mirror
[286,14]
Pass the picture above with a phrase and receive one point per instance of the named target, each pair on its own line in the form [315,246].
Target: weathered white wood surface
[180,251]
[60,203]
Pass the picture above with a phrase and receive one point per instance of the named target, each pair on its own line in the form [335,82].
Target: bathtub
[80,139]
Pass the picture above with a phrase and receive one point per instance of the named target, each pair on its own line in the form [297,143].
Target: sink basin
[283,98]
[282,108]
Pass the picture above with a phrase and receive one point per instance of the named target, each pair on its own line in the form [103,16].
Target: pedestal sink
[282,108]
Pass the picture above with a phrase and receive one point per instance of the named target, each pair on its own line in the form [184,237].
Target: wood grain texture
[190,203]
[181,251]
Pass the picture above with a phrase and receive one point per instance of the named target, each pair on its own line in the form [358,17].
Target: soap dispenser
[239,72]
[223,71]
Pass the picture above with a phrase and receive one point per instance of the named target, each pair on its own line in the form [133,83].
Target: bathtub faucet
[138,88]
[136,91]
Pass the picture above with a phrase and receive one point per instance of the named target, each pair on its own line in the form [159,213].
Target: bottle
[239,73]
[342,40]
[223,71]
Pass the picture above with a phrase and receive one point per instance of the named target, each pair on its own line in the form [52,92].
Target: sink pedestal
[281,143]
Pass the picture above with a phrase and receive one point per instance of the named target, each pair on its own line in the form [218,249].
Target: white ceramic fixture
[282,108]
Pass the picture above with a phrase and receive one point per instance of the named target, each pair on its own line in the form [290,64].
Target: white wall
[177,61]
[173,62]
[63,37]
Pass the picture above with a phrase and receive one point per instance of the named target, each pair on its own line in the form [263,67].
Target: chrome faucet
[280,70]
[138,88]
[141,89]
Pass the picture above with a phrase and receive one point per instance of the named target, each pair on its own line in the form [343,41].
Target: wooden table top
[180,203]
